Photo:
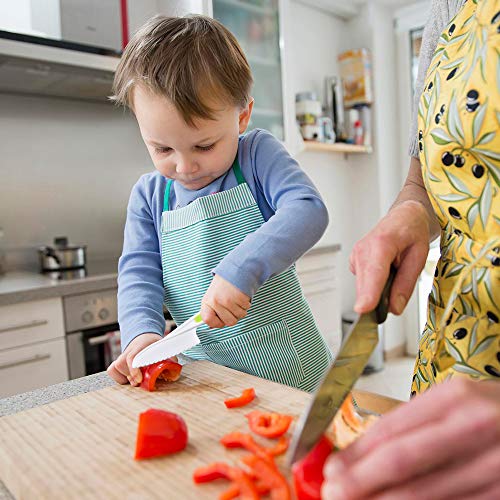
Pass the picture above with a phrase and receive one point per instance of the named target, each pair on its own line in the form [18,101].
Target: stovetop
[92,269]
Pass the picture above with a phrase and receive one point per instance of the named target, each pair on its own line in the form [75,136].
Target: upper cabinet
[71,48]
[256,25]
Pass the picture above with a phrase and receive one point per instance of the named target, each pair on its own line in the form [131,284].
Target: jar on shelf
[308,113]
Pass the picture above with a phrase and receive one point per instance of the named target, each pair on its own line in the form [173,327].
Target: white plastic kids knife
[182,338]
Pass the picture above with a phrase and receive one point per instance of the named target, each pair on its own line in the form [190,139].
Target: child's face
[192,156]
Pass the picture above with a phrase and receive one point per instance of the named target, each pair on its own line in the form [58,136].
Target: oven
[92,331]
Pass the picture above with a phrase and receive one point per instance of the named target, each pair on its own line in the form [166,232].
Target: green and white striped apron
[278,340]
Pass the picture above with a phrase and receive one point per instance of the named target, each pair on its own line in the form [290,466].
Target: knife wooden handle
[382,308]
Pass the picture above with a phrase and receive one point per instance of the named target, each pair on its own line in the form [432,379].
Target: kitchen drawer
[32,367]
[317,281]
[31,322]
[315,262]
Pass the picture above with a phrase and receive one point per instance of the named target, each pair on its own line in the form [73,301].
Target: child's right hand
[121,369]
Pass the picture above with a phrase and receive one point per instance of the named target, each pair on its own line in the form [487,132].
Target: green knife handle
[382,308]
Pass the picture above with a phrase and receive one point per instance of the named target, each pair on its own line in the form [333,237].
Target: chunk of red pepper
[160,433]
[165,370]
[308,472]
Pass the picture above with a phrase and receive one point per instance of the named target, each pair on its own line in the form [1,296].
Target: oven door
[92,351]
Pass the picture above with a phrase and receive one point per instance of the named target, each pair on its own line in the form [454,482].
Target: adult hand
[443,444]
[121,369]
[223,304]
[402,238]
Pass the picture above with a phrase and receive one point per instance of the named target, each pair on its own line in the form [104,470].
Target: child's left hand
[223,304]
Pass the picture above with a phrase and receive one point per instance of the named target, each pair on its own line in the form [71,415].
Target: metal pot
[61,256]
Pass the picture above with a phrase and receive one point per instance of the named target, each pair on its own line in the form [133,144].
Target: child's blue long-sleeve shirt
[295,216]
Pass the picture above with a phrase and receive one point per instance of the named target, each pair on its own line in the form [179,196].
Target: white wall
[67,168]
[360,189]
[314,41]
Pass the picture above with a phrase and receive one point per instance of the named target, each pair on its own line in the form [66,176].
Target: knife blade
[341,377]
[182,338]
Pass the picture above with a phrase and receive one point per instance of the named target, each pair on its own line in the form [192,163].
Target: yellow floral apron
[459,142]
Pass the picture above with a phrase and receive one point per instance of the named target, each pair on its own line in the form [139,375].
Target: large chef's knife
[182,338]
[339,380]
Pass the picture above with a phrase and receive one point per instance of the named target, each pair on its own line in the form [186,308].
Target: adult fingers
[488,493]
[464,478]
[416,453]
[410,267]
[372,263]
[432,406]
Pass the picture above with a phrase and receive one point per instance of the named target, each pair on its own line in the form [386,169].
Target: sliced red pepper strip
[242,440]
[234,491]
[308,473]
[280,447]
[166,370]
[269,425]
[160,433]
[246,397]
[268,474]
[221,470]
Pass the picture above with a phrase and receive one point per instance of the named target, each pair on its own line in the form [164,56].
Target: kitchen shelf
[338,147]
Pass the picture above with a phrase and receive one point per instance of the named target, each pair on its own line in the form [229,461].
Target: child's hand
[121,368]
[223,304]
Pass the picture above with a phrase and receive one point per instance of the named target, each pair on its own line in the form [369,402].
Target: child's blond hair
[193,61]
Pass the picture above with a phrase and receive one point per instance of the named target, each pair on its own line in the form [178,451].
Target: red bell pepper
[160,433]
[164,370]
[269,425]
[220,470]
[247,396]
[242,440]
[234,491]
[308,473]
[280,447]
[268,475]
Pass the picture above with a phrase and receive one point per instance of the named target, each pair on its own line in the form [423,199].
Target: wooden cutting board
[83,447]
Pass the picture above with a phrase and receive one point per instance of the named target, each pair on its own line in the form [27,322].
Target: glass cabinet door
[255,23]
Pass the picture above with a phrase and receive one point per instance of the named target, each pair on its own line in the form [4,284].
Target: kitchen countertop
[27,400]
[26,286]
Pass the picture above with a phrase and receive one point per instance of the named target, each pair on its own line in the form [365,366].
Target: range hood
[36,69]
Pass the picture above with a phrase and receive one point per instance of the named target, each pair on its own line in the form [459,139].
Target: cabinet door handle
[31,324]
[37,357]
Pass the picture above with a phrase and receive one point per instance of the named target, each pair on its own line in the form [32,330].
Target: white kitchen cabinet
[318,276]
[32,346]
[32,366]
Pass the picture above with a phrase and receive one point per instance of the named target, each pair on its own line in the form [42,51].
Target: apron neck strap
[237,173]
